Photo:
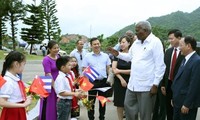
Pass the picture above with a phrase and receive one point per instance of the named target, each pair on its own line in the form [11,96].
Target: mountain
[188,23]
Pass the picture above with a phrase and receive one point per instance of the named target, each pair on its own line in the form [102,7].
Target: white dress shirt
[187,57]
[147,66]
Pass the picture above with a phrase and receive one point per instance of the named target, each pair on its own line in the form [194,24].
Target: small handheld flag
[103,100]
[2,81]
[91,73]
[47,82]
[38,87]
[85,84]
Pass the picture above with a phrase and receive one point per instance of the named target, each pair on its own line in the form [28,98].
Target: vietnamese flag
[103,100]
[37,87]
[2,81]
[85,83]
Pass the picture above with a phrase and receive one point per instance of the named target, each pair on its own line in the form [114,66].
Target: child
[12,94]
[75,111]
[64,88]
[75,66]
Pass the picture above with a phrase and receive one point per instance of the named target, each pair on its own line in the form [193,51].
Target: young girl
[64,88]
[75,111]
[75,67]
[12,94]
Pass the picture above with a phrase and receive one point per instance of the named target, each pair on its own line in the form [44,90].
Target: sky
[95,17]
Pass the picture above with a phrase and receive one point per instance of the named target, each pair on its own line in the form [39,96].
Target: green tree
[15,13]
[34,34]
[4,7]
[69,46]
[109,42]
[53,30]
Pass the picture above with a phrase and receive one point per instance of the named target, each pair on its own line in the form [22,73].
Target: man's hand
[113,51]
[153,90]
[163,90]
[184,110]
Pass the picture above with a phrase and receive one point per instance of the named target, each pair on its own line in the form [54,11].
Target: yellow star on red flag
[103,100]
[85,83]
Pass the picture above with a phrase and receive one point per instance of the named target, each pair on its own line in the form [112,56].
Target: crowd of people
[150,83]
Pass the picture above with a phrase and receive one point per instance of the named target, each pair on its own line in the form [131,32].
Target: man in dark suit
[185,87]
[172,60]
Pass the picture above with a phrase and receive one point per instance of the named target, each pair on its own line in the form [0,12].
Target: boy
[64,88]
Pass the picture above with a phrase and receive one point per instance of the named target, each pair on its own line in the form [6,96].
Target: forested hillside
[188,23]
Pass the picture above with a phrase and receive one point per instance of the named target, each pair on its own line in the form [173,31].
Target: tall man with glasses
[79,53]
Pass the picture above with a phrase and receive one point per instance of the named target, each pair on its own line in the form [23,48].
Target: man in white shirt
[79,53]
[147,70]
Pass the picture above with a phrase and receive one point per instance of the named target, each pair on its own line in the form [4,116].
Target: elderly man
[147,70]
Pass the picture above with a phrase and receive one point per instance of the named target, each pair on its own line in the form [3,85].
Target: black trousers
[93,93]
[168,101]
[159,112]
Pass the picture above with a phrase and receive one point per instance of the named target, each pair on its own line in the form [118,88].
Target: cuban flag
[91,73]
[47,82]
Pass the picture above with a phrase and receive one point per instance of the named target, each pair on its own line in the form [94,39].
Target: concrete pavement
[33,68]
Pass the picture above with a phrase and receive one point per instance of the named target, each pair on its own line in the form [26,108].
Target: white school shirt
[147,66]
[62,85]
[11,88]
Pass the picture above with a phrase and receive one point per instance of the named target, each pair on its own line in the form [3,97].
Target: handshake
[80,94]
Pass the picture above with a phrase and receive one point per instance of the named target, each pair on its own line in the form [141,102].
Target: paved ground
[33,68]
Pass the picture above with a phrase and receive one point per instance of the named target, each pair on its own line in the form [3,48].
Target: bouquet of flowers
[88,104]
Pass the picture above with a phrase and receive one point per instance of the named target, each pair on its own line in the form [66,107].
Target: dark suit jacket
[167,60]
[185,86]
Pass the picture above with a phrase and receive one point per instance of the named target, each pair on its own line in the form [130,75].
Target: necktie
[173,62]
[183,62]
[22,89]
[70,83]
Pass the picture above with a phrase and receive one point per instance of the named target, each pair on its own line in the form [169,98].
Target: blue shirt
[99,62]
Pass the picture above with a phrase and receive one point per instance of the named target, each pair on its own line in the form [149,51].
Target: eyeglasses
[81,57]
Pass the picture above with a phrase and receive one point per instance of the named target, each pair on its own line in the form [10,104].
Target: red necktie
[70,83]
[22,89]
[173,62]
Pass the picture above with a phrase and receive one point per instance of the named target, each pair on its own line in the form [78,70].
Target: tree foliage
[109,41]
[15,13]
[35,33]
[4,7]
[68,47]
[53,30]
[188,23]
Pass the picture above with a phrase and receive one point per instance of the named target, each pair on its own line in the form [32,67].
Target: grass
[28,57]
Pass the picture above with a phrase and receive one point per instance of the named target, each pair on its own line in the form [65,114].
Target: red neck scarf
[22,89]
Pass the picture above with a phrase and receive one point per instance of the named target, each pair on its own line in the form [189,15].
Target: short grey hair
[144,25]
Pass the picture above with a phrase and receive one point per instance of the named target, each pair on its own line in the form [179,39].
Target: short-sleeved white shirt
[62,85]
[11,88]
